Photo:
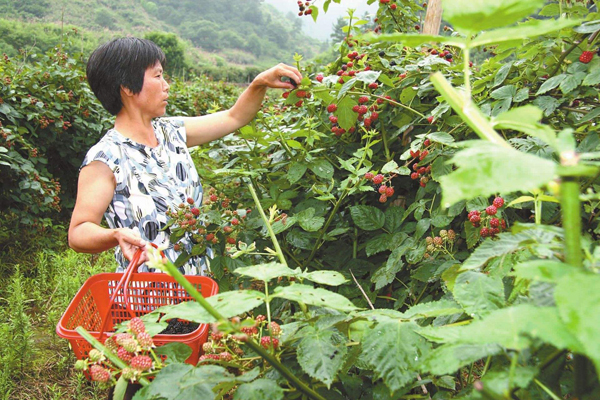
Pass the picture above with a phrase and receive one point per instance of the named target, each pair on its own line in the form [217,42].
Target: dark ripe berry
[368,122]
[363,99]
[339,73]
[308,12]
[414,175]
[389,192]
[475,219]
[382,189]
[331,108]
[448,56]
[491,210]
[484,232]
[344,67]
[382,198]
[417,27]
[369,176]
[586,56]
[393,63]
[377,179]
[382,53]
[498,202]
[494,222]
[373,85]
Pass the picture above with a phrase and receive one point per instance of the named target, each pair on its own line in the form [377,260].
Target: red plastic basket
[108,299]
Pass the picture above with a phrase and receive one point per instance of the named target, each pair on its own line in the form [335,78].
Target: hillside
[224,32]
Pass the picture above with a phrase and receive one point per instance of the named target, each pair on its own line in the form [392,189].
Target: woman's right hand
[130,241]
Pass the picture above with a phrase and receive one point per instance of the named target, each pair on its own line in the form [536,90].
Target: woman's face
[152,99]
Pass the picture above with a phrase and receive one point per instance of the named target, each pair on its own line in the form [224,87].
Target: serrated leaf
[502,74]
[593,78]
[320,355]
[331,278]
[368,76]
[314,296]
[386,273]
[522,95]
[550,84]
[183,381]
[296,172]
[588,27]
[441,137]
[413,40]
[478,293]
[394,351]
[448,358]
[506,244]
[346,117]
[393,218]
[308,221]
[546,103]
[504,92]
[266,272]
[175,352]
[542,270]
[486,168]
[472,233]
[529,29]
[571,82]
[367,218]
[432,309]
[378,244]
[389,167]
[322,168]
[259,389]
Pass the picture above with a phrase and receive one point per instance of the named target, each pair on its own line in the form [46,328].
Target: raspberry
[382,198]
[474,212]
[95,356]
[374,115]
[422,171]
[231,240]
[494,231]
[275,328]
[475,219]
[430,119]
[235,221]
[451,235]
[434,52]
[389,192]
[267,341]
[99,374]
[301,94]
[331,108]
[498,202]
[494,222]
[124,354]
[586,56]
[393,6]
[225,356]
[363,110]
[377,179]
[355,108]
[363,99]
[414,175]
[195,211]
[484,232]
[491,210]
[145,341]
[333,119]
[216,336]
[426,143]
[382,189]
[177,247]
[415,154]
[190,200]
[503,224]
[423,184]
[368,122]
[369,176]
[130,374]
[299,103]
[210,237]
[319,78]
[213,197]
[285,95]
[373,85]
[141,363]
[438,241]
[249,330]
[136,326]
[111,344]
[417,27]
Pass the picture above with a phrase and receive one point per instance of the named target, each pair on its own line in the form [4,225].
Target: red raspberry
[503,224]
[216,336]
[231,240]
[494,231]
[494,222]
[363,110]
[266,342]
[377,179]
[260,318]
[299,103]
[414,175]
[389,192]
[331,108]
[99,373]
[145,341]
[491,210]
[195,211]
[374,115]
[474,212]
[213,197]
[355,108]
[426,143]
[363,99]
[422,171]
[177,247]
[423,184]
[227,229]
[415,154]
[190,200]
[350,64]
[430,119]
[417,27]
[141,363]
[368,122]
[275,328]
[438,241]
[124,354]
[424,154]
[210,237]
[319,78]
[380,100]
[333,119]
[393,6]
[475,219]
[136,326]
[382,189]
[369,176]
[434,52]
[498,202]
[382,198]
[586,56]
[373,85]
[484,232]
[285,95]
[225,356]
[235,221]
[301,94]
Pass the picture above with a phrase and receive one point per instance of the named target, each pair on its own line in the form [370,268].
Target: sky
[322,28]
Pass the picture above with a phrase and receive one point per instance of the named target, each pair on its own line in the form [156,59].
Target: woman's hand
[130,241]
[272,77]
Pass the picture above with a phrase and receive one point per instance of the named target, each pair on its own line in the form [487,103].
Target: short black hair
[121,62]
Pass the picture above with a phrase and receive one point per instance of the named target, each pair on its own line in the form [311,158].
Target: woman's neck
[137,128]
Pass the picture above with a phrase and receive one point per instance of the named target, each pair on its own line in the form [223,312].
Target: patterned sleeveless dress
[149,182]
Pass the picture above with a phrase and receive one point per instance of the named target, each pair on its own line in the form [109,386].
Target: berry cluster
[300,94]
[303,8]
[133,347]
[381,183]
[492,225]
[442,243]
[443,53]
[421,172]
[227,347]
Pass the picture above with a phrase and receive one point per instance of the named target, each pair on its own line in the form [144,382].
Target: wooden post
[433,18]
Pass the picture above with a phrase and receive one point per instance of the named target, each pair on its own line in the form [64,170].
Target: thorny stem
[389,101]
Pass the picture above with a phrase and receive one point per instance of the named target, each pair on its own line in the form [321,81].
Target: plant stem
[467,71]
[389,101]
[545,389]
[571,216]
[385,143]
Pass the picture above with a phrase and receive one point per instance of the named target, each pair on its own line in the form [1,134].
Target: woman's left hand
[272,77]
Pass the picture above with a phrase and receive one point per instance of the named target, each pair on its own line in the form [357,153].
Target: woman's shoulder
[172,128]
[107,150]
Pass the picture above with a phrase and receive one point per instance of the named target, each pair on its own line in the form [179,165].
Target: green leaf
[526,119]
[590,116]
[485,168]
[546,103]
[386,274]
[571,82]
[346,117]
[478,293]
[321,354]
[175,352]
[314,14]
[229,304]
[266,272]
[331,278]
[183,381]
[368,76]
[593,78]
[393,218]
[504,92]
[314,296]
[472,233]
[413,40]
[259,389]
[441,137]
[578,301]
[506,244]
[448,358]
[542,270]
[308,221]
[394,351]
[528,29]
[432,309]
[473,16]
[502,74]
[322,168]
[551,84]
[120,389]
[296,172]
[367,218]
[588,27]
[522,95]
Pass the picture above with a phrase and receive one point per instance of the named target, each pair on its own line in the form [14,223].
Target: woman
[142,166]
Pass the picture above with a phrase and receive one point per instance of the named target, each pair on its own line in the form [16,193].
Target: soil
[178,327]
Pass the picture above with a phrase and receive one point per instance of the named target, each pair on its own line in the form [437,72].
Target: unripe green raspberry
[451,235]
[111,344]
[275,328]
[130,374]
[429,240]
[443,234]
[96,356]
[81,365]
[430,248]
[207,347]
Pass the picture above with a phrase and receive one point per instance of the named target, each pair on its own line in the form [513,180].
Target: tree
[172,48]
[337,34]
